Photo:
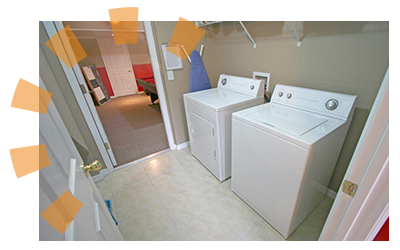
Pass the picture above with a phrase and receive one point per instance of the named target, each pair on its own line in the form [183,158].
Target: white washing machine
[284,152]
[208,115]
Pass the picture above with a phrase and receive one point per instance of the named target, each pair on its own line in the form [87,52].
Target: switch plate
[170,75]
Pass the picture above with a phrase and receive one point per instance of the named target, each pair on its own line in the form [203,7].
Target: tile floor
[173,197]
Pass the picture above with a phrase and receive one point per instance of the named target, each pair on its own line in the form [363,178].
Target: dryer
[208,115]
[284,152]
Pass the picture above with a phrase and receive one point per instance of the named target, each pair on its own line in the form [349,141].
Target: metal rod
[188,57]
[248,34]
[297,36]
[201,50]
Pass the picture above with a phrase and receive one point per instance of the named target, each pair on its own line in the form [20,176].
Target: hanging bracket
[248,34]
[297,36]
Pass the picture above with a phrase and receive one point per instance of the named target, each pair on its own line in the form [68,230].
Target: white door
[118,66]
[362,216]
[93,221]
[202,134]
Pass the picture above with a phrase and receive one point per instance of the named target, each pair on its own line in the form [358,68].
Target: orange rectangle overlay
[62,211]
[124,23]
[186,34]
[67,47]
[30,97]
[29,159]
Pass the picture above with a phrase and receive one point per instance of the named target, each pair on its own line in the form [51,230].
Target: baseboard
[100,175]
[97,178]
[183,145]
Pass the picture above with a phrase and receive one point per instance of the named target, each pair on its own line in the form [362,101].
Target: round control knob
[331,104]
[280,94]
[224,81]
[289,96]
[252,87]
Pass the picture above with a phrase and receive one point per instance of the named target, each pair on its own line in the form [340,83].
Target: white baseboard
[97,178]
[100,176]
[183,145]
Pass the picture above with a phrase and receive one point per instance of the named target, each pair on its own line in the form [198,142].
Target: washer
[208,115]
[284,152]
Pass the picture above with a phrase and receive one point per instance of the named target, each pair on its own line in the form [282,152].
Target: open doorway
[133,122]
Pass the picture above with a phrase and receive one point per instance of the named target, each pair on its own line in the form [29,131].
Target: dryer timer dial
[331,104]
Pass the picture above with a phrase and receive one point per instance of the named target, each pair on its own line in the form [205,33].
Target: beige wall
[181,84]
[345,57]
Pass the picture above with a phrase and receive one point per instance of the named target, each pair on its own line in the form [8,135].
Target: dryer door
[202,134]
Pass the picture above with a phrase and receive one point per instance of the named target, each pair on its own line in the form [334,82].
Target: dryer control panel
[244,85]
[323,102]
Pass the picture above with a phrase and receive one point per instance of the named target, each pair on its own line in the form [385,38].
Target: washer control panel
[244,85]
[323,102]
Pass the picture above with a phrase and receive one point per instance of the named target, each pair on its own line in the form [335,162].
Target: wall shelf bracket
[297,36]
[248,34]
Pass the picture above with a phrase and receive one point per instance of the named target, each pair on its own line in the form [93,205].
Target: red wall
[104,76]
[140,70]
[383,234]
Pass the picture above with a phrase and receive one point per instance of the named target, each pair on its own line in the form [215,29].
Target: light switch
[170,75]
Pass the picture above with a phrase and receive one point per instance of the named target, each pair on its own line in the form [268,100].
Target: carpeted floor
[133,126]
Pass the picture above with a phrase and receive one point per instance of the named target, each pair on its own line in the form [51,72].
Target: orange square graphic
[124,23]
[29,159]
[62,211]
[66,46]
[30,97]
[186,35]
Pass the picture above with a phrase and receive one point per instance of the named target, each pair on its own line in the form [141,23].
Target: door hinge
[83,89]
[106,145]
[349,188]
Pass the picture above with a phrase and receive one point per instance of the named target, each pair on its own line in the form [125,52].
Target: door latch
[349,188]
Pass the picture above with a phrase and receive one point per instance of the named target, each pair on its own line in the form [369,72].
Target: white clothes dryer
[284,152]
[208,115]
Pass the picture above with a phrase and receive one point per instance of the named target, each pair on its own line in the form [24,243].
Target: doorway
[134,127]
[133,124]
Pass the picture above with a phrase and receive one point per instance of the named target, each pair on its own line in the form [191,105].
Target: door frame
[76,80]
[148,30]
[107,66]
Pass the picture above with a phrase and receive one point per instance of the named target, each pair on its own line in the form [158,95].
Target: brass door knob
[95,165]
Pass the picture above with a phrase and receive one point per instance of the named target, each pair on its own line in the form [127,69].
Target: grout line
[165,210]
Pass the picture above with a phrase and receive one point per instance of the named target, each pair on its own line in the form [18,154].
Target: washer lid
[294,121]
[217,98]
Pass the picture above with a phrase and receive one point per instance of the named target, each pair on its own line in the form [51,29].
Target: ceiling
[103,29]
[96,29]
